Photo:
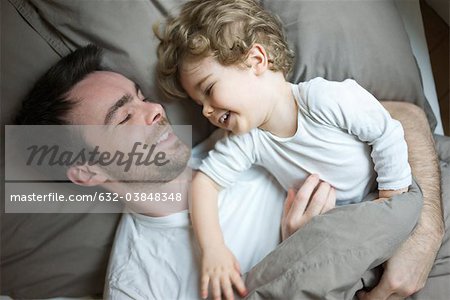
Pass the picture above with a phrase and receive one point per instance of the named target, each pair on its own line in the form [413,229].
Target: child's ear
[85,175]
[258,59]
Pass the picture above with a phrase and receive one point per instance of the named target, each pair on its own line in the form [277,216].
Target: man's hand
[220,270]
[405,273]
[315,197]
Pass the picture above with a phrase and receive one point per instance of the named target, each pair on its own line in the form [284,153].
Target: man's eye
[125,120]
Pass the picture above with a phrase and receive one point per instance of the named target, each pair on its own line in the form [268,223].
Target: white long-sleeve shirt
[343,134]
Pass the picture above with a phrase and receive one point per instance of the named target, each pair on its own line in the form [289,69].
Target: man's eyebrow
[113,109]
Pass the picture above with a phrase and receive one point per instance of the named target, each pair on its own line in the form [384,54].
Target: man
[89,95]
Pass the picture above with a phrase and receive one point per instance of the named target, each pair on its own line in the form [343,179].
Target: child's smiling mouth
[223,119]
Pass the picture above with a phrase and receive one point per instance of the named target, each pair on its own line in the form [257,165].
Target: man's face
[110,99]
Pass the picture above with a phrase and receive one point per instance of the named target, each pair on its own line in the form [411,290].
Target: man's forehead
[96,93]
[102,81]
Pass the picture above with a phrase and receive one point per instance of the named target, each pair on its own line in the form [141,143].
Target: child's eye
[126,119]
[209,90]
[146,99]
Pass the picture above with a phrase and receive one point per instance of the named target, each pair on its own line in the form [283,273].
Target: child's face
[231,97]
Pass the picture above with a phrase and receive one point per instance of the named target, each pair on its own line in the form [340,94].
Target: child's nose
[207,110]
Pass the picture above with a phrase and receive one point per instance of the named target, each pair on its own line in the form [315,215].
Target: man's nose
[153,113]
[207,110]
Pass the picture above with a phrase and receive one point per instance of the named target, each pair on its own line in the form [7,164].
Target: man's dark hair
[47,103]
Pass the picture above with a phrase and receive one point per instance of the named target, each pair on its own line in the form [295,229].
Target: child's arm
[349,107]
[219,267]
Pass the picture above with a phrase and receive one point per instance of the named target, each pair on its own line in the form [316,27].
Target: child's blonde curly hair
[225,29]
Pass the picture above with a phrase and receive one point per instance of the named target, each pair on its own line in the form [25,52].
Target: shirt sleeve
[231,155]
[348,106]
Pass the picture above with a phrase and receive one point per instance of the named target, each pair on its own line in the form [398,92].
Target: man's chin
[153,174]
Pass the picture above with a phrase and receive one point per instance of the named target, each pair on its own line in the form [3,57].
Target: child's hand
[220,270]
[391,193]
[384,195]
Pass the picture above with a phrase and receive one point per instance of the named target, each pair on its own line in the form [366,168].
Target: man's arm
[424,164]
[406,272]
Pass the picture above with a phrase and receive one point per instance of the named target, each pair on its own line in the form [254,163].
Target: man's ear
[85,175]
[258,59]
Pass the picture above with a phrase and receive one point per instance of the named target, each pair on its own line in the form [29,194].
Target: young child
[232,58]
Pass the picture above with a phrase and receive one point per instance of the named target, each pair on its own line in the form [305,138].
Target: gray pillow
[55,255]
[363,40]
[335,39]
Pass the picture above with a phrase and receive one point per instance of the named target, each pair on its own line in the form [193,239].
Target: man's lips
[166,139]
[160,134]
[163,137]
